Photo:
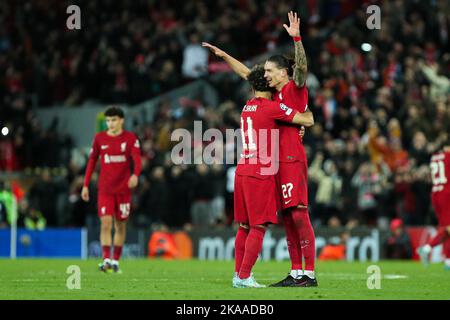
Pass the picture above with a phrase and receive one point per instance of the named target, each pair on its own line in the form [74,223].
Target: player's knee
[244,225]
[106,224]
[261,227]
[120,226]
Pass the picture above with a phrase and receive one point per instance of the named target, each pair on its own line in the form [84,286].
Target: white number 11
[251,144]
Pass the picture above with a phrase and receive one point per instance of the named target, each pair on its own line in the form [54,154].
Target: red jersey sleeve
[280,111]
[93,156]
[136,155]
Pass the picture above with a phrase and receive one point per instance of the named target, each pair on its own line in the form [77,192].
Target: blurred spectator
[43,197]
[398,245]
[328,197]
[368,182]
[155,197]
[180,189]
[34,220]
[218,201]
[201,208]
[8,204]
[335,249]
[195,58]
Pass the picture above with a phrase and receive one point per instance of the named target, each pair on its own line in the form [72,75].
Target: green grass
[185,280]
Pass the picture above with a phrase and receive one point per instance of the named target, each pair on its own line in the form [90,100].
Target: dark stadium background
[379,114]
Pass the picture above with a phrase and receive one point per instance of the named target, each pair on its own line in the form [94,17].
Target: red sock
[253,246]
[447,248]
[293,242]
[441,236]
[307,238]
[239,247]
[117,252]
[106,251]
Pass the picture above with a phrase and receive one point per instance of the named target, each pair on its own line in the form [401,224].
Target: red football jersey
[291,146]
[440,172]
[258,121]
[115,155]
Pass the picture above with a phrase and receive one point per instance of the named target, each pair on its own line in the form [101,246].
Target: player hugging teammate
[292,179]
[255,190]
[117,149]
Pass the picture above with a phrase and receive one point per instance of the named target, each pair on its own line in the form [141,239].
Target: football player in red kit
[293,173]
[117,149]
[255,191]
[440,199]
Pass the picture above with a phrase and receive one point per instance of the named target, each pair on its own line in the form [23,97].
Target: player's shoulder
[292,86]
[100,135]
[130,134]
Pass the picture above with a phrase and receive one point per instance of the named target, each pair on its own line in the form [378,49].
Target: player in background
[117,150]
[440,199]
[293,174]
[255,191]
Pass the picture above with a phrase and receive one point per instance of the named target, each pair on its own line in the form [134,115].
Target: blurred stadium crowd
[380,110]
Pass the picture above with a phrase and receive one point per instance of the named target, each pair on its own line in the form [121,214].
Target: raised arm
[301,67]
[238,67]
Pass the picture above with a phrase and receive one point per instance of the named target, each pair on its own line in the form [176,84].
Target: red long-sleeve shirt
[116,154]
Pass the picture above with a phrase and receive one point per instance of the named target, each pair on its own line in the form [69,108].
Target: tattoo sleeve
[301,67]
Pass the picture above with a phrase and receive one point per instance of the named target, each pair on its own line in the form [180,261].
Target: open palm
[294,24]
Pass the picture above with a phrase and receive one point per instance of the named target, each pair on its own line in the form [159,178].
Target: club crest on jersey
[123,146]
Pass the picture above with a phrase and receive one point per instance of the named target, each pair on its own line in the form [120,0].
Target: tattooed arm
[301,67]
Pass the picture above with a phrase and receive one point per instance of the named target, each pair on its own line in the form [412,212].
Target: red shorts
[292,184]
[255,200]
[441,205]
[116,205]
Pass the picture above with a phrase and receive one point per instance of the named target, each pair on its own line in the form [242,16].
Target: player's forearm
[301,66]
[137,164]
[238,67]
[89,170]
[304,119]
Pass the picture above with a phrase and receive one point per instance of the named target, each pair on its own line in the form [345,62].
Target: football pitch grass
[211,280]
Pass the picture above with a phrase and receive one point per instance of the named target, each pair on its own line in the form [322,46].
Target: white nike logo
[286,202]
[304,246]
[104,147]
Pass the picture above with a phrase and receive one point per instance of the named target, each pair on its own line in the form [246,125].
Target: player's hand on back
[301,132]
[214,49]
[133,182]
[294,25]
[85,194]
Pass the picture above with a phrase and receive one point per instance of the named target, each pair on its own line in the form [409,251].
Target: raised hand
[294,25]
[214,49]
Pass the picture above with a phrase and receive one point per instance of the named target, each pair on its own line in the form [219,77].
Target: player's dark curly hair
[257,80]
[114,111]
[283,62]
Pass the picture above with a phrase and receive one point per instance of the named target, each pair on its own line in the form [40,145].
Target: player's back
[260,136]
[440,173]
